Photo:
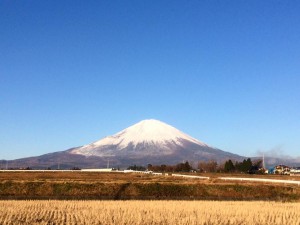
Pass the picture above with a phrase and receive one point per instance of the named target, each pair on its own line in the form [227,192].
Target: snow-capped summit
[150,140]
[147,131]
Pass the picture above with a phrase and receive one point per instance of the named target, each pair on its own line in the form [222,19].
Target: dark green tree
[247,165]
[229,167]
[183,167]
[137,168]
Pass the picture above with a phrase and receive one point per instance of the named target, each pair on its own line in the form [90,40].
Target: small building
[98,170]
[138,171]
[295,171]
[282,170]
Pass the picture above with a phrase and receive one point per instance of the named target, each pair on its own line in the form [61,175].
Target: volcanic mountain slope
[146,138]
[155,142]
[149,141]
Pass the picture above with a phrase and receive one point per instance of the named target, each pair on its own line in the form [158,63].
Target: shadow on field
[121,191]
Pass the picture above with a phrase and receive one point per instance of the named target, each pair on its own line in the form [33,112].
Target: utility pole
[107,163]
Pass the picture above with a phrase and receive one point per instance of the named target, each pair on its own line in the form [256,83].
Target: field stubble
[148,212]
[120,186]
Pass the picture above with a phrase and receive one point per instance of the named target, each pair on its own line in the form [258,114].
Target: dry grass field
[119,186]
[149,212]
[123,177]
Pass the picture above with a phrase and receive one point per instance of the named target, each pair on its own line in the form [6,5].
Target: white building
[98,170]
[295,171]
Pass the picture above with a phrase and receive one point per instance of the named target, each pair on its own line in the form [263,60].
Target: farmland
[119,186]
[76,197]
[148,212]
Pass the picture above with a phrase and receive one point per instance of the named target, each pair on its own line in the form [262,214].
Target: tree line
[245,166]
[180,167]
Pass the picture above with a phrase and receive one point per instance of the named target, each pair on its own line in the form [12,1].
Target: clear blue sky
[225,72]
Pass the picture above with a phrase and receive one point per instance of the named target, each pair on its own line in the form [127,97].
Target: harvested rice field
[148,212]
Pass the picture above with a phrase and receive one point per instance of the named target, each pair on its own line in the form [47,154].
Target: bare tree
[210,166]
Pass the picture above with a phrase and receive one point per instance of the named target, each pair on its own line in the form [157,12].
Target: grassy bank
[76,185]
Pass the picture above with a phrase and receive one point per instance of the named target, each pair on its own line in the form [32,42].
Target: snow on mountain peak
[152,131]
[146,131]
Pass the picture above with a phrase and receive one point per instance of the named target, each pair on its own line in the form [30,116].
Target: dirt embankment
[133,186]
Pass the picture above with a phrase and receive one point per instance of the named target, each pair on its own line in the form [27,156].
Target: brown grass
[148,212]
[121,177]
[89,185]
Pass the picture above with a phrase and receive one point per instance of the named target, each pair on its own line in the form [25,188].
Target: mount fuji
[149,141]
[146,138]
